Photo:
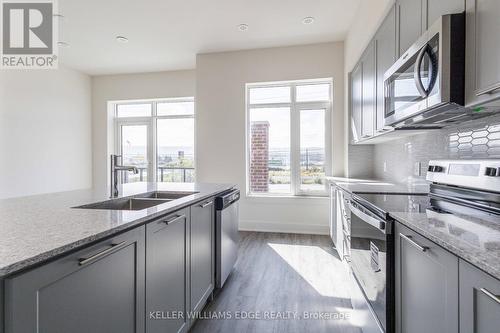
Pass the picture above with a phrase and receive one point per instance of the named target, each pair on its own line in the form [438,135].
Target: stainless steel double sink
[138,202]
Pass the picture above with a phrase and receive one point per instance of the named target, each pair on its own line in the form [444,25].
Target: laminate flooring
[282,283]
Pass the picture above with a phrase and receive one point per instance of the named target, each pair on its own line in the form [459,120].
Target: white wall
[45,131]
[122,87]
[220,142]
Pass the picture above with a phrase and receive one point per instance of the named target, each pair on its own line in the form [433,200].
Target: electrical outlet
[385,166]
[417,169]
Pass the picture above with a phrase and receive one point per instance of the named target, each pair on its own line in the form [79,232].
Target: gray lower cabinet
[202,263]
[166,273]
[482,76]
[99,289]
[426,285]
[479,301]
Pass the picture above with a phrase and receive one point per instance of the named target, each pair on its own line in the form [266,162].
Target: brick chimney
[259,157]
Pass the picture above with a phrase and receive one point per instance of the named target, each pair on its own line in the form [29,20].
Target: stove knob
[438,168]
[492,172]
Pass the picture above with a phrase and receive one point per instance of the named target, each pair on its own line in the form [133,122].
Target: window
[158,138]
[288,137]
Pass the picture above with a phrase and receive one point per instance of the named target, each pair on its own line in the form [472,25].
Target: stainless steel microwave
[426,86]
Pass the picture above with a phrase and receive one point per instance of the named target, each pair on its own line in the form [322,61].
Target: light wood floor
[276,272]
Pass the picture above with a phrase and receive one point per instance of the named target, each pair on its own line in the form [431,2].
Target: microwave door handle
[417,72]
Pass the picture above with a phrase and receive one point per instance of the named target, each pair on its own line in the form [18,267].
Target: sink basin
[126,204]
[168,195]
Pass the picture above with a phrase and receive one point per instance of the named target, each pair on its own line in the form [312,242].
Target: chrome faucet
[115,167]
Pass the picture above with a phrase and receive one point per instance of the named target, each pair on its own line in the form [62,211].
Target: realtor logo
[28,34]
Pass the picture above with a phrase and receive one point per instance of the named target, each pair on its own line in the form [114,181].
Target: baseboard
[283,227]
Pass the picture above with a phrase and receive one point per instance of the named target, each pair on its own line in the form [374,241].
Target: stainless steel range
[466,187]
[460,191]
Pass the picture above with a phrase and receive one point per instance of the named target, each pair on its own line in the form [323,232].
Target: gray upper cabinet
[409,23]
[415,16]
[426,285]
[166,273]
[436,8]
[479,301]
[356,100]
[202,253]
[385,46]
[483,51]
[99,289]
[368,87]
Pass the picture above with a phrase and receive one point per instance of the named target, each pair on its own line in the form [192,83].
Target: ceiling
[167,34]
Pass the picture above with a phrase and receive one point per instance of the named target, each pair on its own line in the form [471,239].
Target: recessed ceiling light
[121,39]
[63,44]
[308,20]
[243,27]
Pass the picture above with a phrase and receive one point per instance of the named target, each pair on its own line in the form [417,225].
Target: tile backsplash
[476,139]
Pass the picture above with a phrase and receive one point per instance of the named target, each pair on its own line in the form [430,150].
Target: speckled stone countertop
[36,228]
[473,239]
[354,185]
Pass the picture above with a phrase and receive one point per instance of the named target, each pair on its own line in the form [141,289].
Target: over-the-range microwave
[425,86]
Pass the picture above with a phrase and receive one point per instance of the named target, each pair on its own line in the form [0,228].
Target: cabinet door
[99,289]
[483,51]
[356,100]
[333,215]
[385,46]
[426,285]
[368,98]
[409,23]
[479,301]
[202,253]
[436,8]
[166,277]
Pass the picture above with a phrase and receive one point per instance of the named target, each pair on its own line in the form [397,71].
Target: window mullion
[295,144]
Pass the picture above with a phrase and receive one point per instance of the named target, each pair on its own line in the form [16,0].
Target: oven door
[411,82]
[371,261]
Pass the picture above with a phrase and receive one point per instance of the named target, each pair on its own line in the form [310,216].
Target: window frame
[152,129]
[295,109]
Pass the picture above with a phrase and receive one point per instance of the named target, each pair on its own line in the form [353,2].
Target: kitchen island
[64,267]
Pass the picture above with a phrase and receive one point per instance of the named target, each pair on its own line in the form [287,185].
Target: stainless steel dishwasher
[226,234]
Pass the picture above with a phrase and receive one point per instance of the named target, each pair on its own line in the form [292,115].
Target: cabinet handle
[84,261]
[206,204]
[174,219]
[489,90]
[412,242]
[490,295]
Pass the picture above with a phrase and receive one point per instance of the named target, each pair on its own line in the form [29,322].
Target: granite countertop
[476,240]
[353,185]
[37,228]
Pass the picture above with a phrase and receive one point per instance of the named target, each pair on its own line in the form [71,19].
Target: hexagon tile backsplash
[479,139]
[482,142]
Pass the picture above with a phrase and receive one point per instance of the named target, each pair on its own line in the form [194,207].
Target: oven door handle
[374,222]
